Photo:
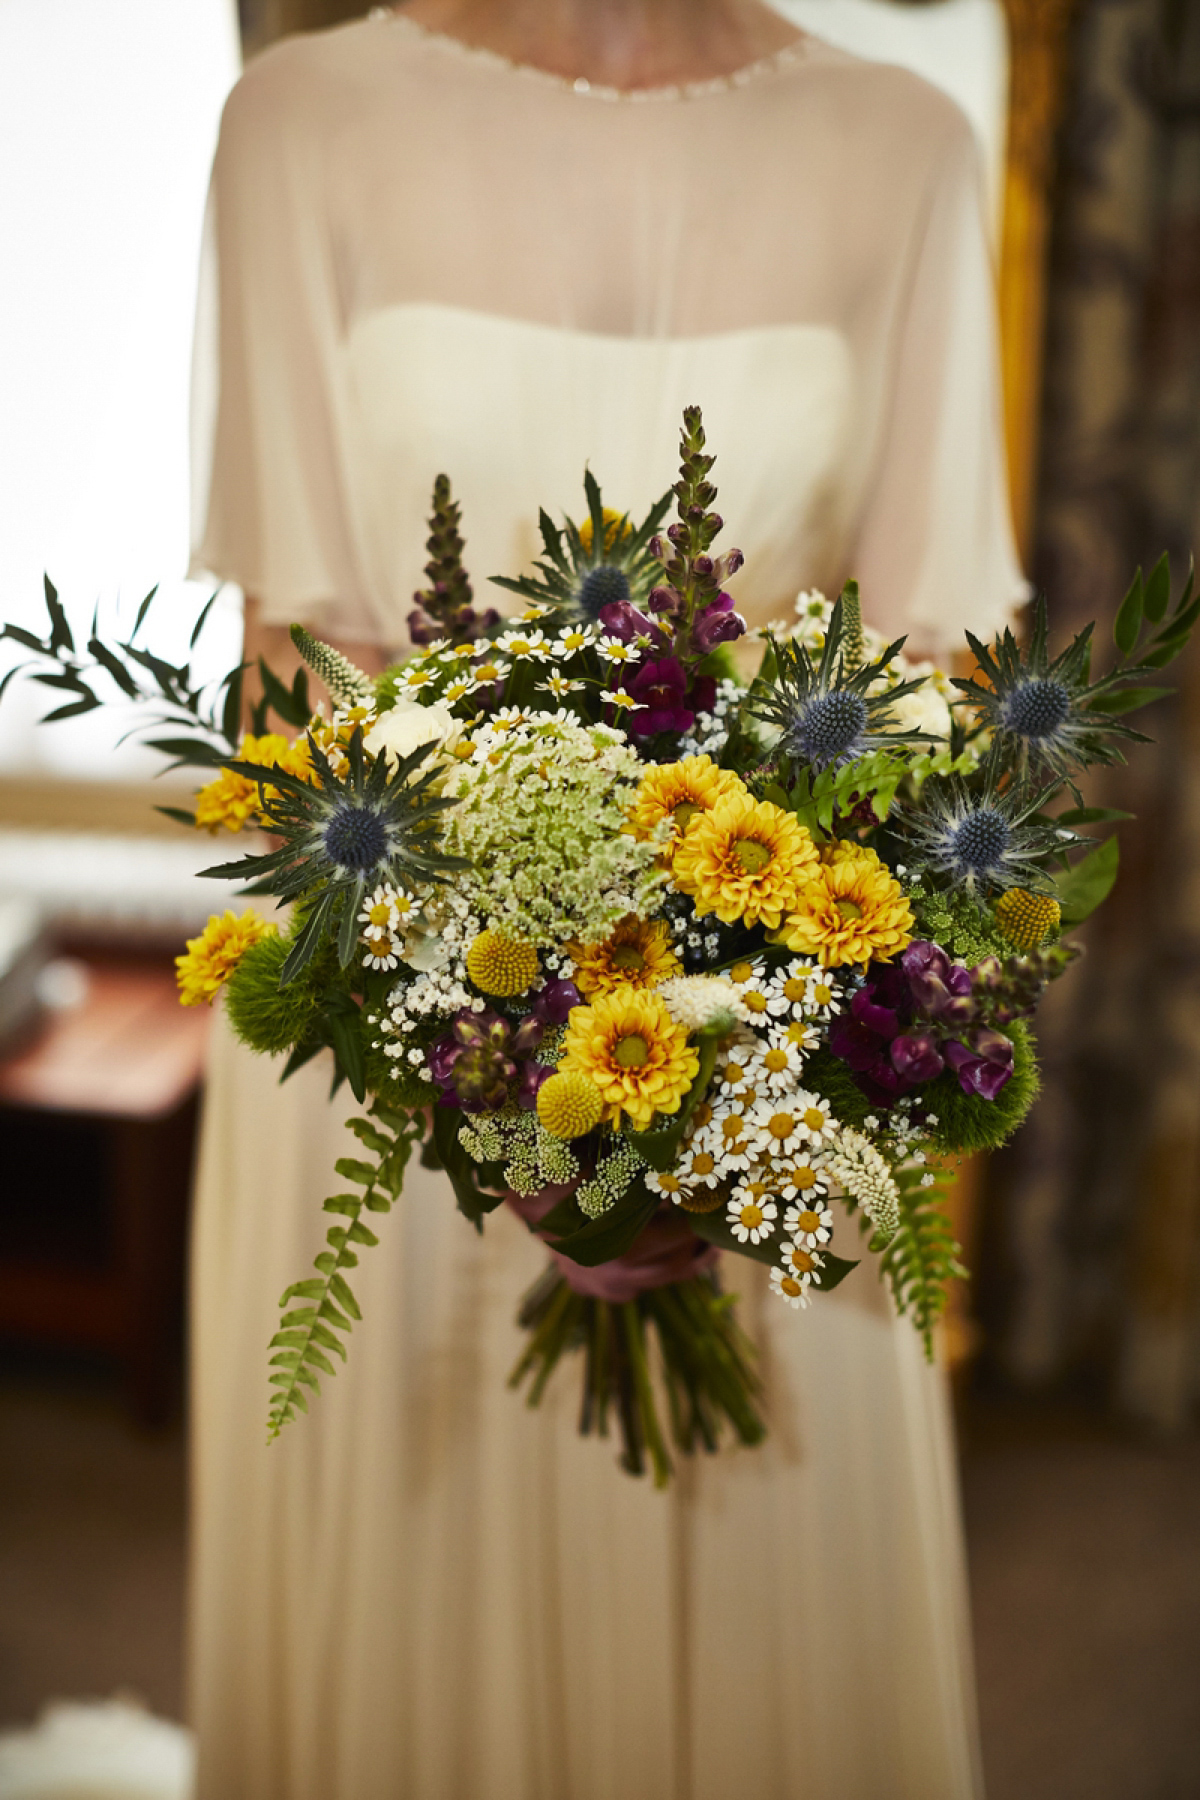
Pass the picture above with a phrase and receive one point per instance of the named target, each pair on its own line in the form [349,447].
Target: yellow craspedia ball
[501,966]
[1027,919]
[569,1105]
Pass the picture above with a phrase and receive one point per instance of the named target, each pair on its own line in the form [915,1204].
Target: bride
[502,238]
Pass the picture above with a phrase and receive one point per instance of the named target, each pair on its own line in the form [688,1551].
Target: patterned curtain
[1092,1241]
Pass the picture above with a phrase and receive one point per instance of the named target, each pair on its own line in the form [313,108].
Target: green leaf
[352,1170]
[613,1232]
[1091,815]
[661,1148]
[281,699]
[362,1234]
[1083,888]
[834,1270]
[1158,589]
[349,1205]
[60,631]
[341,1292]
[1128,621]
[346,1034]
[1128,700]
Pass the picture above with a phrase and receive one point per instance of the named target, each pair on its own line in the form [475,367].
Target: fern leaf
[307,1332]
[923,1256]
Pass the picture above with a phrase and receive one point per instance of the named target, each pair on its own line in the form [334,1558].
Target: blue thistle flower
[581,572]
[824,711]
[341,837]
[985,839]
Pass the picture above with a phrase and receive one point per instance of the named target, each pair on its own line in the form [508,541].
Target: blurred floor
[1085,1557]
[91,1544]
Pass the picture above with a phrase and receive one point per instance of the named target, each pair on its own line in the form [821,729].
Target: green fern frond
[923,1258]
[347,684]
[326,1304]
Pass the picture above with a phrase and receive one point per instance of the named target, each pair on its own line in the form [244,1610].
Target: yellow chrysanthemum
[616,529]
[630,1046]
[854,911]
[500,965]
[569,1105]
[746,859]
[638,954]
[231,800]
[679,792]
[1026,919]
[213,956]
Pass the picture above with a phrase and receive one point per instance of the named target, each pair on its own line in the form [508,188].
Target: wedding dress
[429,260]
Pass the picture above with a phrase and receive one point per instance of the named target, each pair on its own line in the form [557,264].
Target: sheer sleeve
[270,507]
[934,550]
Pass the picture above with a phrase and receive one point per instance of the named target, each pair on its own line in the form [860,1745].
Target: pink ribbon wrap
[667,1250]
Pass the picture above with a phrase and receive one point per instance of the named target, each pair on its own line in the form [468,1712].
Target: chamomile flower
[788,1288]
[380,949]
[534,611]
[805,1181]
[616,651]
[573,640]
[734,1062]
[525,646]
[492,669]
[811,1225]
[778,1125]
[819,1127]
[731,1141]
[751,1217]
[457,689]
[664,1182]
[801,1264]
[415,677]
[800,1033]
[509,717]
[560,685]
[698,1167]
[620,697]
[777,1065]
[756,993]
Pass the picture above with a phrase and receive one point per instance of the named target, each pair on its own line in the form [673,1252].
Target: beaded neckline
[785,58]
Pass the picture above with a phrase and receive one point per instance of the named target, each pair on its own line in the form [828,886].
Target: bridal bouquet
[671,962]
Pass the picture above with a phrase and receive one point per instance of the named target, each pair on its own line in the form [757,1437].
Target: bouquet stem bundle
[707,1364]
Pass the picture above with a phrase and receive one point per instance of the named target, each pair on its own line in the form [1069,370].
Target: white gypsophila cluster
[862,1173]
[439,994]
[710,730]
[441,934]
[542,804]
[700,1002]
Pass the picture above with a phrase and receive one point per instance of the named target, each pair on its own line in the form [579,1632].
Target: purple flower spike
[532,1076]
[662,689]
[916,1057]
[869,1009]
[621,619]
[984,1066]
[555,1001]
[717,624]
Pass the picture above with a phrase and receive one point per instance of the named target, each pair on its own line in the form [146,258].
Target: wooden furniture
[97,1131]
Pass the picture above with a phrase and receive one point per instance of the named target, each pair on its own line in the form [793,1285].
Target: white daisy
[380,949]
[777,1065]
[755,991]
[811,1224]
[458,689]
[697,1167]
[824,997]
[559,685]
[615,650]
[525,646]
[492,668]
[619,697]
[735,1060]
[778,1125]
[788,1288]
[572,641]
[805,1179]
[794,979]
[820,1128]
[509,717]
[751,1218]
[415,677]
[802,1033]
[730,1142]
[666,1183]
[801,1264]
[532,611]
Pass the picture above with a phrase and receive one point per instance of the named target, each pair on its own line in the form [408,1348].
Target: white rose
[924,710]
[396,734]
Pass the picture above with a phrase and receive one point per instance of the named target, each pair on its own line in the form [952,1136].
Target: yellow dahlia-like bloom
[569,1105]
[638,954]
[632,1049]
[854,911]
[213,956]
[746,859]
[232,800]
[500,965]
[679,792]
[616,529]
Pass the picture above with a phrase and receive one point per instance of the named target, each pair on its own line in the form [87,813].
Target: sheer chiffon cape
[426,259]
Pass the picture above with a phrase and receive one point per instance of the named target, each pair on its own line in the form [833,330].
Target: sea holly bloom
[988,838]
[832,710]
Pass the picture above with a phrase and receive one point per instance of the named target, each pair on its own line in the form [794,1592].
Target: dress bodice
[430,261]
